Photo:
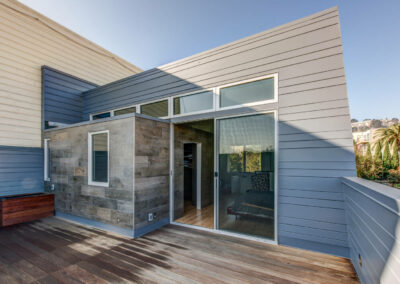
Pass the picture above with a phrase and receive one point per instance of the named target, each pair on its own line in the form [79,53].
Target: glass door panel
[246,173]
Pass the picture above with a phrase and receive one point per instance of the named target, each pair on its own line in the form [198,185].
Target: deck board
[55,251]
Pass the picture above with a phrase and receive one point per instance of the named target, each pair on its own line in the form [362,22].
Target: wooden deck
[55,251]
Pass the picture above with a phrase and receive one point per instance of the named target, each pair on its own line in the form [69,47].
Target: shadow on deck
[55,251]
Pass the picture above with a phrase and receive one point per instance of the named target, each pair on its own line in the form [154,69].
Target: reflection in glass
[256,91]
[246,175]
[193,103]
[156,109]
[125,111]
[100,157]
[101,115]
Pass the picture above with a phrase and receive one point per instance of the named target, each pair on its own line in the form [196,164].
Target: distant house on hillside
[363,132]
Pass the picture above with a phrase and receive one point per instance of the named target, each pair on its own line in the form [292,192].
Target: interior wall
[184,134]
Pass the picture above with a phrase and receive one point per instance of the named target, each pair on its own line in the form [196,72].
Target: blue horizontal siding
[21,170]
[62,96]
[373,222]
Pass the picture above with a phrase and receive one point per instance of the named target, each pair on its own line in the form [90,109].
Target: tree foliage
[389,135]
[378,153]
[387,159]
[377,167]
[368,155]
[395,157]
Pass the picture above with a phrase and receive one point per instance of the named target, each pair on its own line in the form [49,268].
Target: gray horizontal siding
[373,222]
[313,39]
[21,170]
[315,142]
[62,96]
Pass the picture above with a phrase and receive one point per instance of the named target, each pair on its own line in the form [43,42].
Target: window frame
[274,100]
[90,159]
[193,93]
[46,166]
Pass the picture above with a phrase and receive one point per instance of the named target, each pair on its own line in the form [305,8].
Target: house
[251,139]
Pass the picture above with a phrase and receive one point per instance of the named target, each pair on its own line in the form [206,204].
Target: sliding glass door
[246,175]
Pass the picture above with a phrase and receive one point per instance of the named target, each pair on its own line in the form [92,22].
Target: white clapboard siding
[27,44]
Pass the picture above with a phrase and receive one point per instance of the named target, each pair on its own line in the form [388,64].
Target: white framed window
[159,108]
[100,115]
[125,110]
[46,160]
[247,93]
[193,103]
[98,158]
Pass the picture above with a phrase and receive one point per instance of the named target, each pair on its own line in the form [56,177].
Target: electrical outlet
[150,217]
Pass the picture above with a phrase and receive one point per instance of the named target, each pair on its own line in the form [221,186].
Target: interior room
[193,175]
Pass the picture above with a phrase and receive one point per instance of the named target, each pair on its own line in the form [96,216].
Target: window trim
[274,100]
[193,93]
[46,166]
[90,159]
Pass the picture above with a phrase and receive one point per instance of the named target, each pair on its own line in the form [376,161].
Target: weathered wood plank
[54,251]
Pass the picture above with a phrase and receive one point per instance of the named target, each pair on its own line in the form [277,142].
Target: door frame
[198,175]
[215,229]
[216,178]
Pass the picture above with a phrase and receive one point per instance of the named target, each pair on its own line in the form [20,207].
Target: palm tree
[395,157]
[378,153]
[389,135]
[368,155]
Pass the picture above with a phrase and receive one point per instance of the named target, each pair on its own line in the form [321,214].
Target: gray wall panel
[214,71]
[231,49]
[62,96]
[314,122]
[21,170]
[373,223]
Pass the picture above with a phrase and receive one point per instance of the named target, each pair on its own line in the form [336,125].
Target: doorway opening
[193,173]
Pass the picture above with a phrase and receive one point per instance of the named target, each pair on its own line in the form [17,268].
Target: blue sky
[150,33]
